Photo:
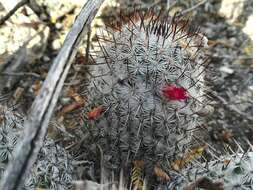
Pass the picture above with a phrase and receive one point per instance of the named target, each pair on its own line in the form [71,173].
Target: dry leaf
[71,107]
[226,136]
[188,157]
[71,91]
[162,174]
[204,183]
[226,162]
[80,59]
[95,112]
[139,163]
[36,87]
[77,97]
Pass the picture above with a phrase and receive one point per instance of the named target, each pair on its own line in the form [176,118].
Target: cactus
[53,168]
[145,88]
[231,172]
[11,124]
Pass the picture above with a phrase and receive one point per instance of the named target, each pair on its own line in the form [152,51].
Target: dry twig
[11,12]
[36,124]
[184,12]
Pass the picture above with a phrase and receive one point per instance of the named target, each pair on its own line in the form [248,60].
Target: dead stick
[36,124]
[193,7]
[12,11]
[88,45]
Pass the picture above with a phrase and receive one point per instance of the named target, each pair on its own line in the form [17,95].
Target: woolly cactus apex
[53,168]
[233,172]
[147,75]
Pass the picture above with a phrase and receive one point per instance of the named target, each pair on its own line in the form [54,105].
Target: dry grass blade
[136,175]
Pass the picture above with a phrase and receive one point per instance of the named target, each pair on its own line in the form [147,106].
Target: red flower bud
[173,92]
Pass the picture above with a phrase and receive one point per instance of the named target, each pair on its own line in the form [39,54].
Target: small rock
[56,44]
[65,101]
[58,25]
[227,70]
[45,58]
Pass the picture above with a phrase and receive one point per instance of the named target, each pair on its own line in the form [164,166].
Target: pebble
[58,25]
[65,101]
[56,44]
[45,58]
[227,70]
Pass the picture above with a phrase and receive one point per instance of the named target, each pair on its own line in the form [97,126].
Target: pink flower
[173,92]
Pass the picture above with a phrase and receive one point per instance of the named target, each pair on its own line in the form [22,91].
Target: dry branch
[41,111]
[13,68]
[17,63]
[12,11]
[36,8]
[184,12]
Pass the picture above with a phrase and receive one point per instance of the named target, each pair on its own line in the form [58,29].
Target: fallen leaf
[80,59]
[36,87]
[188,157]
[162,174]
[205,183]
[95,112]
[71,107]
[226,162]
[139,163]
[226,136]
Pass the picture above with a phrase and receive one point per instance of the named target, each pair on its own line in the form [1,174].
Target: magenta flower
[174,92]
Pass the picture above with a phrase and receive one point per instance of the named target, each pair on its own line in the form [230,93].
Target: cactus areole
[147,73]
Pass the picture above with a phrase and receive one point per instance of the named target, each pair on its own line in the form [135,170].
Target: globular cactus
[145,88]
[11,124]
[53,168]
[232,172]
